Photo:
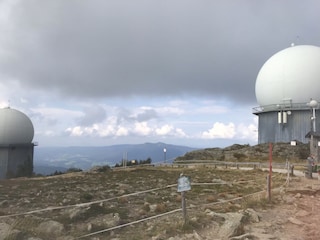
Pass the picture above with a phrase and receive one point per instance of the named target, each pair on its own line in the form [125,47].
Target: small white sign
[184,184]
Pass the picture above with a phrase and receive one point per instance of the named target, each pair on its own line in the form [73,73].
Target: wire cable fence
[256,195]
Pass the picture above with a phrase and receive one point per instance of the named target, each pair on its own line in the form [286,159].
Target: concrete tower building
[16,147]
[288,92]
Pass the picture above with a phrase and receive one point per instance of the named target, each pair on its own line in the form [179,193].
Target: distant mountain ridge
[47,158]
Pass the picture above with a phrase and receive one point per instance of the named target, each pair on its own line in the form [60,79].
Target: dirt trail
[295,217]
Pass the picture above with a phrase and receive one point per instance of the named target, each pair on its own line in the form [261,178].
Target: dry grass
[39,193]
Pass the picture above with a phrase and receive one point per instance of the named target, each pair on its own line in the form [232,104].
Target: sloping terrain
[241,153]
[143,203]
[77,204]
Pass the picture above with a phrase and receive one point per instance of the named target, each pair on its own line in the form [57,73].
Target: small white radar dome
[15,127]
[313,103]
[292,74]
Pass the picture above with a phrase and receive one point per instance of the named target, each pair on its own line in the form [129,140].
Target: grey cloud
[125,115]
[99,49]
[147,115]
[42,118]
[93,114]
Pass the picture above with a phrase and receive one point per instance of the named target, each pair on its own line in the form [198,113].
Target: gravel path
[297,215]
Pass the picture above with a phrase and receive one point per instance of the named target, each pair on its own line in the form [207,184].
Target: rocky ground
[223,204]
[246,153]
[296,216]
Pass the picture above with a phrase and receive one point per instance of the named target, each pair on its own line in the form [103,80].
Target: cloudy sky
[104,72]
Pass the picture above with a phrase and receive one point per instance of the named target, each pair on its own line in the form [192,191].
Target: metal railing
[280,107]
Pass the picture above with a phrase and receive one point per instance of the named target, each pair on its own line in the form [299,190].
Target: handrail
[281,107]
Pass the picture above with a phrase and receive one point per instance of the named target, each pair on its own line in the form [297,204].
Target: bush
[239,156]
[133,162]
[70,170]
[104,168]
[86,197]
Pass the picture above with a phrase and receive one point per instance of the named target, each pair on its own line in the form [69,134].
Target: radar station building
[288,92]
[16,147]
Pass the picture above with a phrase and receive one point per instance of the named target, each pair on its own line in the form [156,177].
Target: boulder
[51,228]
[231,224]
[7,232]
[253,216]
[4,230]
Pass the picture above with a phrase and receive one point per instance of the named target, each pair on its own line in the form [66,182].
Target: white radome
[292,74]
[15,127]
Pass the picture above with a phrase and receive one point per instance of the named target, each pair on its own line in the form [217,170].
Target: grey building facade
[285,123]
[16,160]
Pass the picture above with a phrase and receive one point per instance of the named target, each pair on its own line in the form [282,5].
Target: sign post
[184,184]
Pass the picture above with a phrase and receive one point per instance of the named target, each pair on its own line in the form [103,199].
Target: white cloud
[181,133]
[106,131]
[92,130]
[79,131]
[247,131]
[122,131]
[238,131]
[169,130]
[76,131]
[164,130]
[220,130]
[142,128]
[111,129]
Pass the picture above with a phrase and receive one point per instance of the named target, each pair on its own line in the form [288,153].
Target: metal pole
[315,141]
[183,206]
[314,119]
[270,171]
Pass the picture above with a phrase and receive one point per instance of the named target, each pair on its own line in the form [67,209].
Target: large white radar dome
[15,127]
[292,74]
